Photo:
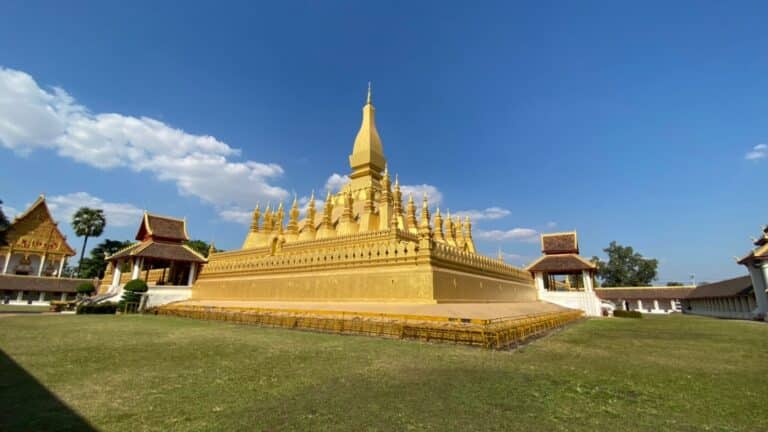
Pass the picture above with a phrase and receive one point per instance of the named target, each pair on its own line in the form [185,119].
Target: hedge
[627,314]
[97,308]
[85,288]
[136,285]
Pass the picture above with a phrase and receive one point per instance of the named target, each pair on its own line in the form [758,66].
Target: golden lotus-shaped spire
[367,158]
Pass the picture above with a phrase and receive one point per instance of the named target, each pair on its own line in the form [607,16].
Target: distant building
[32,259]
[653,299]
[743,297]
[731,298]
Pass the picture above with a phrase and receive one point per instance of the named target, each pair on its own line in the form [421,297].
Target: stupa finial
[369,99]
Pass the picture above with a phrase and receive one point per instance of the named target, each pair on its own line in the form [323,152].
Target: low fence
[492,334]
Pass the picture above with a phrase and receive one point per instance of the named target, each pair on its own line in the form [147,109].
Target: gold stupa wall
[364,246]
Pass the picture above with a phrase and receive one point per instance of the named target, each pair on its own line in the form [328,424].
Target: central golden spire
[367,158]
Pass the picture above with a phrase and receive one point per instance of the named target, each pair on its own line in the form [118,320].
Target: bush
[133,290]
[86,288]
[136,285]
[97,308]
[627,314]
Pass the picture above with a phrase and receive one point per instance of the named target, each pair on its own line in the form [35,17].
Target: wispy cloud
[335,182]
[9,212]
[117,214]
[551,225]
[527,235]
[490,213]
[34,118]
[759,151]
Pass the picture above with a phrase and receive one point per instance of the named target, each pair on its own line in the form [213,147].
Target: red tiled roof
[560,263]
[726,288]
[558,243]
[160,250]
[643,293]
[162,227]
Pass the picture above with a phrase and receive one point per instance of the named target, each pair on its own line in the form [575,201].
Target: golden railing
[496,333]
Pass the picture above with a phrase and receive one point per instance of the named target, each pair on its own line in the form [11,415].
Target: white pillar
[137,262]
[655,305]
[7,261]
[538,279]
[41,298]
[63,296]
[192,271]
[20,297]
[588,286]
[42,264]
[61,265]
[639,305]
[116,273]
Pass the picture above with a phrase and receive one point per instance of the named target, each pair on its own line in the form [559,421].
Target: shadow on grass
[28,406]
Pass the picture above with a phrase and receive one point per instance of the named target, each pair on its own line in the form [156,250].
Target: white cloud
[551,225]
[237,216]
[434,196]
[9,212]
[515,234]
[488,214]
[759,151]
[117,214]
[335,182]
[34,118]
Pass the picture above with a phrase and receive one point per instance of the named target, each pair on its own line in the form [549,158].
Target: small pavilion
[561,258]
[562,276]
[160,257]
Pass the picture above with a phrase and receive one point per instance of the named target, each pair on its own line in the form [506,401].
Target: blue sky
[642,123]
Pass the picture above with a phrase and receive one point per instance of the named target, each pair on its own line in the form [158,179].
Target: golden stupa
[363,245]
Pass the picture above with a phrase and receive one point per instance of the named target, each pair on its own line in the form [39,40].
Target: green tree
[95,265]
[625,267]
[201,247]
[87,222]
[674,284]
[3,224]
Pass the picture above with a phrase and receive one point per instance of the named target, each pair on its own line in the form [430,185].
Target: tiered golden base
[494,333]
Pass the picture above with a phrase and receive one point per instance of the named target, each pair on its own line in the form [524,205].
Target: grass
[143,373]
[9,308]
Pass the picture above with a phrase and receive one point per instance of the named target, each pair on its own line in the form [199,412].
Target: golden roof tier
[361,244]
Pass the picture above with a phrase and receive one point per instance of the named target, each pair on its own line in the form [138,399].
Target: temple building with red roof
[160,257]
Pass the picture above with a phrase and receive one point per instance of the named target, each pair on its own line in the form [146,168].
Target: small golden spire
[368,101]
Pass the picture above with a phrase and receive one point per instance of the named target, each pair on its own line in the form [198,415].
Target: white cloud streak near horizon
[527,235]
[35,118]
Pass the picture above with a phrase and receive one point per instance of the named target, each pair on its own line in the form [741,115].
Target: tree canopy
[201,247]
[87,222]
[95,265]
[625,267]
[3,223]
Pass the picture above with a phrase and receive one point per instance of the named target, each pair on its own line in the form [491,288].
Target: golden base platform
[488,325]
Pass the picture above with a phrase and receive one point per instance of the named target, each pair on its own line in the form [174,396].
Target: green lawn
[22,308]
[139,373]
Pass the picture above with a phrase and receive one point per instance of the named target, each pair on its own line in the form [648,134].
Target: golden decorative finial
[369,93]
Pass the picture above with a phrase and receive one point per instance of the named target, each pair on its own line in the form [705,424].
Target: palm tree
[87,222]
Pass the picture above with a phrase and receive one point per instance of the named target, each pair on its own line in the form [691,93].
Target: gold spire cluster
[370,202]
